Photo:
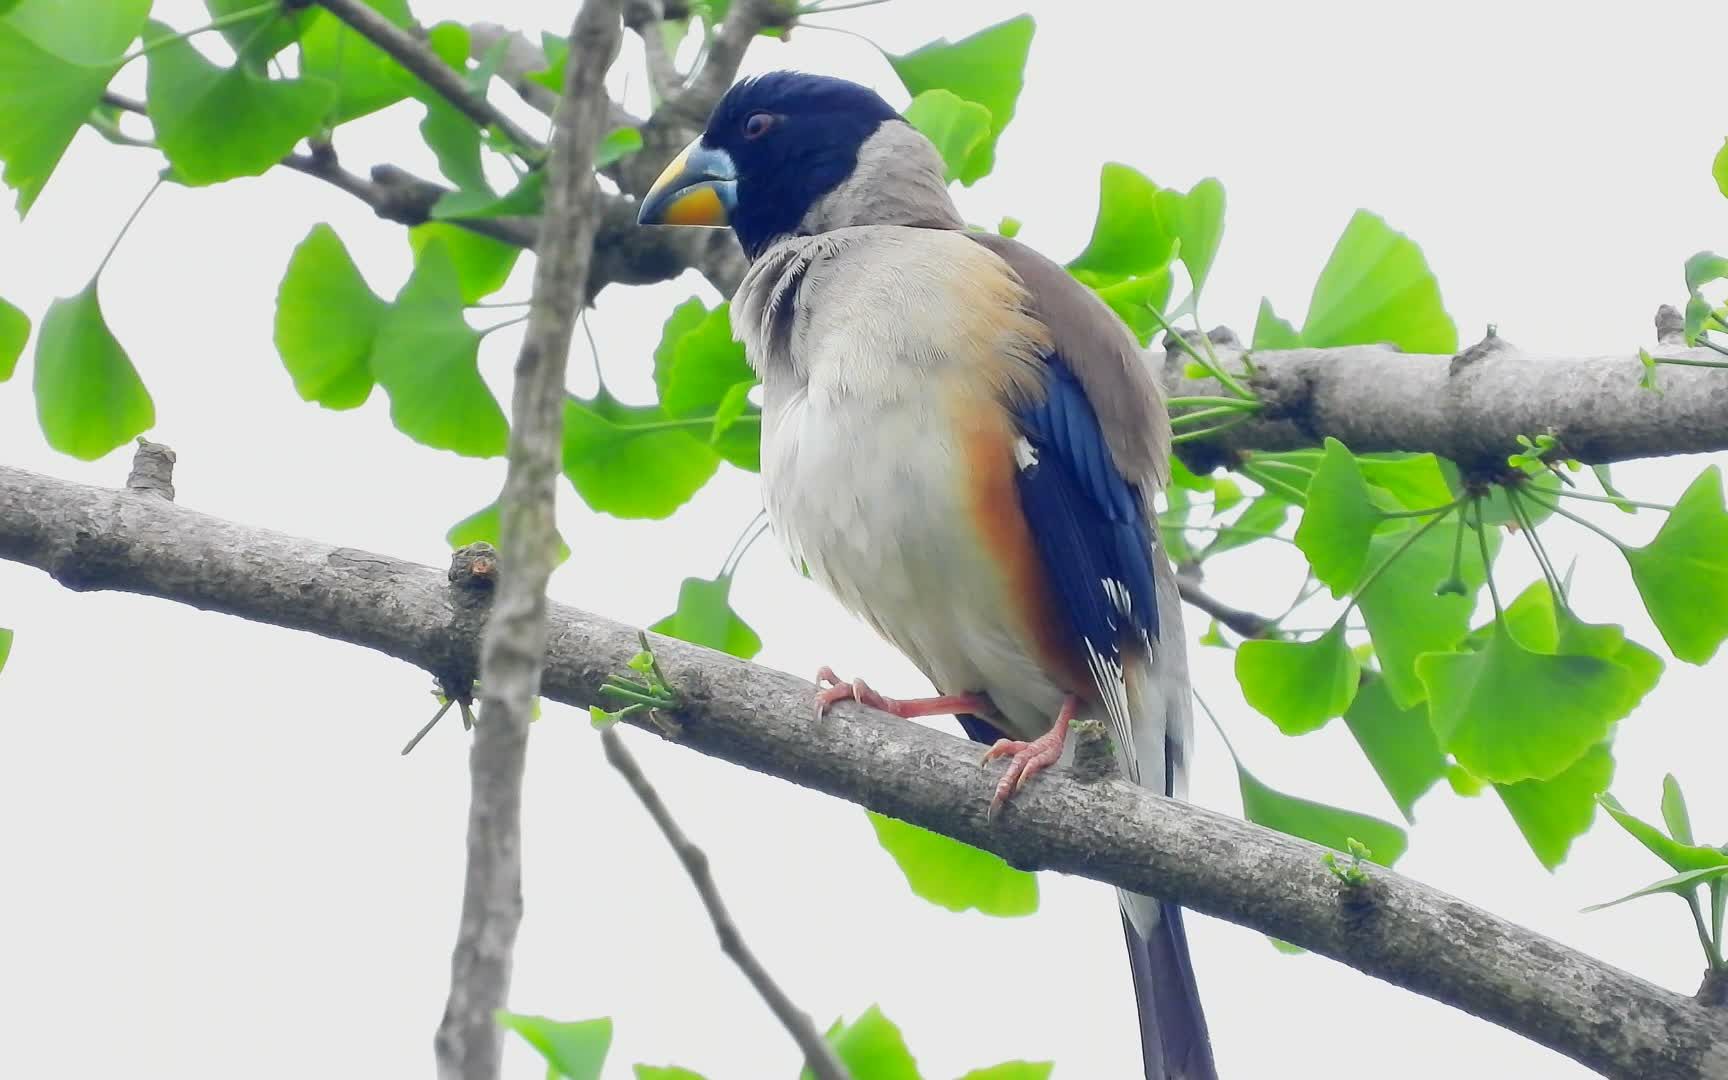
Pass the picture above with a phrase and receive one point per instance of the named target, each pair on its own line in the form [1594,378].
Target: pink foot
[1029,758]
[831,688]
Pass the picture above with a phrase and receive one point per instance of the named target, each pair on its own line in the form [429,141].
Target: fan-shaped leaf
[954,875]
[1377,287]
[988,67]
[89,398]
[1683,573]
[327,320]
[573,1050]
[1298,685]
[1552,813]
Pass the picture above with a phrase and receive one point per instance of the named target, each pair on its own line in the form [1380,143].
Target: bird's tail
[1173,1037]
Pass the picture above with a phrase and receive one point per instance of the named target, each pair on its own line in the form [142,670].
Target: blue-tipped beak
[699,187]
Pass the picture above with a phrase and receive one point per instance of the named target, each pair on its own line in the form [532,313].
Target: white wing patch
[1025,454]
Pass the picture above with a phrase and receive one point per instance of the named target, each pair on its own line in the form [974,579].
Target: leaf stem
[742,545]
[1427,512]
[214,24]
[1206,414]
[826,9]
[1704,938]
[1193,400]
[1214,369]
[1195,436]
[1565,513]
[1397,553]
[124,229]
[522,318]
[1527,525]
[1615,501]
[1271,483]
[1487,562]
[1676,361]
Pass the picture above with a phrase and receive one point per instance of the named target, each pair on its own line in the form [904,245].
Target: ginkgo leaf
[215,123]
[89,398]
[573,1050]
[1683,573]
[633,462]
[1397,742]
[1552,813]
[1680,884]
[954,875]
[486,524]
[1328,826]
[1272,332]
[327,319]
[14,333]
[1129,237]
[704,616]
[1339,521]
[1377,287]
[871,1048]
[426,358]
[988,67]
[955,126]
[1298,685]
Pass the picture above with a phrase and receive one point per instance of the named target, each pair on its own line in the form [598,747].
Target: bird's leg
[831,688]
[1029,758]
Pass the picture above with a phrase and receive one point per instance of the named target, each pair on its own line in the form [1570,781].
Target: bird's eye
[759,124]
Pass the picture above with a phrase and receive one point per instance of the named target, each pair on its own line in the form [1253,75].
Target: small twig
[744,20]
[644,17]
[1246,623]
[818,1055]
[418,57]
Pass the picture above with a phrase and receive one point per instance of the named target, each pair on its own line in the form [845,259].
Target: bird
[961,443]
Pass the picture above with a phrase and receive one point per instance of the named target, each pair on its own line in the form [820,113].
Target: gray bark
[1391,927]
[1470,407]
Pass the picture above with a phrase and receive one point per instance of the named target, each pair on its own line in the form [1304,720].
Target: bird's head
[788,154]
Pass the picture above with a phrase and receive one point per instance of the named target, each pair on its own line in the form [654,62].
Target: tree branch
[818,1055]
[1246,623]
[644,18]
[1470,407]
[418,57]
[513,649]
[744,20]
[1108,830]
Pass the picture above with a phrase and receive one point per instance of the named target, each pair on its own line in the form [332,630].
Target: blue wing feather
[1089,523]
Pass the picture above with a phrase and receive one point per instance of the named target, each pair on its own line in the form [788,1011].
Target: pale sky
[219,866]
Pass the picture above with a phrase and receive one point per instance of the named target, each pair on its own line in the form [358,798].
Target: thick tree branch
[514,645]
[1110,831]
[418,57]
[818,1055]
[1470,407]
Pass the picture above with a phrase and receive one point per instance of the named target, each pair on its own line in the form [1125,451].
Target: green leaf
[326,322]
[616,145]
[1683,573]
[954,875]
[486,524]
[89,398]
[666,1072]
[259,38]
[526,199]
[5,646]
[1328,826]
[1674,813]
[56,58]
[1134,300]
[871,1048]
[1129,236]
[706,364]
[1298,685]
[1197,220]
[704,616]
[1508,713]
[987,68]
[1405,616]
[365,77]
[426,359]
[1339,521]
[956,126]
[1413,481]
[633,462]
[1606,478]
[482,264]
[1676,853]
[1263,517]
[1272,332]
[14,333]
[1703,268]
[455,142]
[1397,742]
[1719,168]
[684,318]
[575,1050]
[216,124]
[1552,813]
[1680,884]
[740,442]
[1014,1070]
[1376,288]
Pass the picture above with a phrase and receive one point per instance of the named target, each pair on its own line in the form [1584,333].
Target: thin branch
[513,650]
[644,18]
[818,1055]
[522,58]
[397,195]
[418,57]
[1246,623]
[744,20]
[1108,830]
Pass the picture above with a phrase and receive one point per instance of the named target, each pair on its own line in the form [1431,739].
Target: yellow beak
[699,187]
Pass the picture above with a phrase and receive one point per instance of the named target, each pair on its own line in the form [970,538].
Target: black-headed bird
[961,443]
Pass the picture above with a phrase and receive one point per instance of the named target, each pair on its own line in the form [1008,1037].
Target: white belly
[871,501]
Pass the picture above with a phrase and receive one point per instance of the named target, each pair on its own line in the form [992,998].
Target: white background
[217,865]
